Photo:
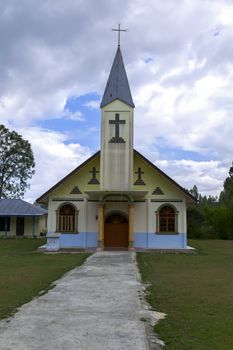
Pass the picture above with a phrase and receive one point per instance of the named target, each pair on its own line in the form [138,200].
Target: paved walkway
[94,307]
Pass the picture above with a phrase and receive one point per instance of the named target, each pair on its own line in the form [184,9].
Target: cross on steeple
[117,122]
[93,180]
[119,30]
[139,180]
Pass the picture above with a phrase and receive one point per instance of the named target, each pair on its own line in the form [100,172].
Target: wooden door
[116,235]
[20,226]
[116,232]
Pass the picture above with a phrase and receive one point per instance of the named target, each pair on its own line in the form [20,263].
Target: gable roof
[19,207]
[42,199]
[186,193]
[117,85]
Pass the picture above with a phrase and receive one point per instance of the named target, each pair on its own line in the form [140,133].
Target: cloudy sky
[55,57]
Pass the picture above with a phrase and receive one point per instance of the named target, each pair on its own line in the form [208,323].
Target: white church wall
[92,225]
[140,217]
[92,216]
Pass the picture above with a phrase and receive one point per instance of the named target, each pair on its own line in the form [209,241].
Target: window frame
[167,232]
[2,224]
[58,223]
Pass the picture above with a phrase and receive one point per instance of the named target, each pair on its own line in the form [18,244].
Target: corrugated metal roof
[18,207]
[117,85]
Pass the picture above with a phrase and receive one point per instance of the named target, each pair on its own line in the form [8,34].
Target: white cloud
[54,159]
[206,175]
[94,104]
[76,116]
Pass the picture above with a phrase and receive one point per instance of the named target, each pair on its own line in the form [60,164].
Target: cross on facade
[117,122]
[139,172]
[93,180]
[119,30]
[139,180]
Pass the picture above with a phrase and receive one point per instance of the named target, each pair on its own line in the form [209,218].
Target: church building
[117,199]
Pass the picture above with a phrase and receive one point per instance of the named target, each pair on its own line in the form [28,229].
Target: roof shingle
[18,207]
[117,85]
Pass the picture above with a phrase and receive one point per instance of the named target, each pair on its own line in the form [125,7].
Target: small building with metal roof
[20,218]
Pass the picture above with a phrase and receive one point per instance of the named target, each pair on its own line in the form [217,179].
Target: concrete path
[93,307]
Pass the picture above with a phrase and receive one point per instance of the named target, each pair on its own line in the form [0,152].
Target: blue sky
[85,126]
[55,62]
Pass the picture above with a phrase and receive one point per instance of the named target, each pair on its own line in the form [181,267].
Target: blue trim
[91,239]
[157,241]
[142,240]
[81,240]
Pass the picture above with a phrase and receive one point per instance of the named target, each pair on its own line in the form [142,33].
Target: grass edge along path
[26,273]
[195,291]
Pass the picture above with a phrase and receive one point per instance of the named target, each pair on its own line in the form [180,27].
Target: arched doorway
[116,231]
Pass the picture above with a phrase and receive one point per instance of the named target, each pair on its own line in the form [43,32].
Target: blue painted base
[85,240]
[158,241]
[81,240]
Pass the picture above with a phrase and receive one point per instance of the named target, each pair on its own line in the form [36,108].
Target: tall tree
[226,196]
[16,164]
[194,191]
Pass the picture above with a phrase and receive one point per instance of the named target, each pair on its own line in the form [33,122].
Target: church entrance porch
[117,202]
[116,231]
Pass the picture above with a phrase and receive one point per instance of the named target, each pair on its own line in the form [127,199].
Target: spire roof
[117,85]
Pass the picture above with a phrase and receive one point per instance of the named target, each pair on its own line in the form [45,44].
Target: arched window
[66,218]
[167,219]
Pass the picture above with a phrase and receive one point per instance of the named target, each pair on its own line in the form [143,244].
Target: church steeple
[116,157]
[117,85]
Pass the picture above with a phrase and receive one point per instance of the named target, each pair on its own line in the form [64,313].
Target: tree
[16,164]
[194,192]
[226,196]
[195,220]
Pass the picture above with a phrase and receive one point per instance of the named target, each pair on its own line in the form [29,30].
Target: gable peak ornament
[75,190]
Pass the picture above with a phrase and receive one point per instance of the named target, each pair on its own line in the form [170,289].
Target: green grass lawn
[196,293]
[24,272]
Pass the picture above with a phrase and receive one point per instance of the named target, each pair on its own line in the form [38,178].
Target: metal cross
[139,172]
[119,30]
[117,123]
